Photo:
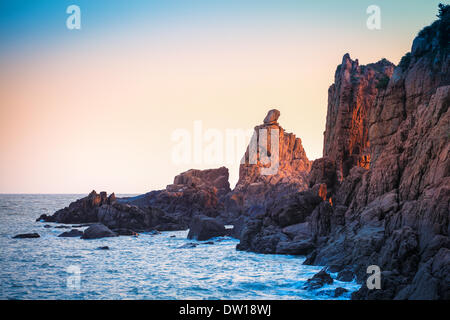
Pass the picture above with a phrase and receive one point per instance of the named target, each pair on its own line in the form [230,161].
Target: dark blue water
[144,267]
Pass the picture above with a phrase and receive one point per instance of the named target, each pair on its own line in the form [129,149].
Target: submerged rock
[188,245]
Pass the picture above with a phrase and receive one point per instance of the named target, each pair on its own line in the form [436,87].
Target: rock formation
[269,170]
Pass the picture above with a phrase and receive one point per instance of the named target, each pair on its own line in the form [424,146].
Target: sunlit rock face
[210,178]
[350,99]
[269,169]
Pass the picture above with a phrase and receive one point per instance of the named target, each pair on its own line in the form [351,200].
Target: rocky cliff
[381,193]
[394,212]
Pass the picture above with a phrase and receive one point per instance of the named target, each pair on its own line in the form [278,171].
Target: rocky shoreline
[380,195]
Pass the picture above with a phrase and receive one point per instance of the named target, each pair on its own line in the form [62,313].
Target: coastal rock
[211,178]
[204,228]
[300,247]
[97,231]
[318,280]
[339,292]
[345,276]
[71,233]
[81,211]
[129,219]
[194,192]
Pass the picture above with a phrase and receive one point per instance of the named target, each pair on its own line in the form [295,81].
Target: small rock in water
[188,245]
[103,248]
[173,236]
[318,280]
[47,226]
[26,236]
[339,292]
[209,242]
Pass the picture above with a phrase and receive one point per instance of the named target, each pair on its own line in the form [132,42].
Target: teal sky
[39,24]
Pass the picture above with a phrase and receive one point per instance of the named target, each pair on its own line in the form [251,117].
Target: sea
[150,266]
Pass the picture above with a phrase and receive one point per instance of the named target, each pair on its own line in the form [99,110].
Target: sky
[97,108]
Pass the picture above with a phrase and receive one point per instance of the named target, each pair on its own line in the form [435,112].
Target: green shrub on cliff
[383,83]
[439,28]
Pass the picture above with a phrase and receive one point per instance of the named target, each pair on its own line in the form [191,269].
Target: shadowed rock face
[204,228]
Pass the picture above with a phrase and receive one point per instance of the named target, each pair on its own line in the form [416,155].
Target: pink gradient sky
[95,110]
